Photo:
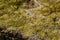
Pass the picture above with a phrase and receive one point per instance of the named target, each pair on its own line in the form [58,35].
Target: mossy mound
[42,21]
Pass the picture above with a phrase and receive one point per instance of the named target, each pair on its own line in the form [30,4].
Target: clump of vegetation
[29,20]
